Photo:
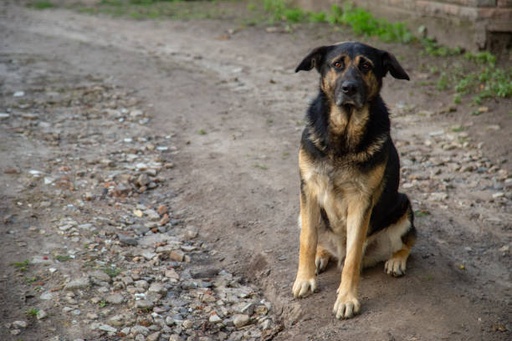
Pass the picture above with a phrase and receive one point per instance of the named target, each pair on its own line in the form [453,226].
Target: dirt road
[227,101]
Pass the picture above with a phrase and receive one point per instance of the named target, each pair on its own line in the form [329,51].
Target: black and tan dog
[350,207]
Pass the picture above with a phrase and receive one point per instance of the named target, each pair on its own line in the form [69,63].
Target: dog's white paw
[346,306]
[304,286]
[396,266]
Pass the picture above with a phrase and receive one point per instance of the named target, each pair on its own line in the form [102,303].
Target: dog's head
[351,72]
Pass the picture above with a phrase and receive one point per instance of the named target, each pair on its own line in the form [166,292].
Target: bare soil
[229,98]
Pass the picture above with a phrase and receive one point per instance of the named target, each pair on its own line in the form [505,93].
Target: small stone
[177,255]
[172,274]
[107,328]
[116,298]
[100,276]
[136,113]
[152,215]
[138,329]
[153,336]
[80,283]
[191,232]
[41,314]
[187,324]
[504,249]
[127,240]
[20,324]
[214,318]
[142,284]
[165,220]
[498,195]
[240,320]
[143,180]
[144,304]
[18,94]
[45,296]
[158,288]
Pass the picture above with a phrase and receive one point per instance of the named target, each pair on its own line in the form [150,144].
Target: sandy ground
[233,106]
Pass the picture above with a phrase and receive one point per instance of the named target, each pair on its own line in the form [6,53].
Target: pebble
[116,298]
[41,314]
[80,283]
[107,328]
[240,320]
[214,318]
[20,324]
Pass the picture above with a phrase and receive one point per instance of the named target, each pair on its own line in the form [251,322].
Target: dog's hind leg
[402,235]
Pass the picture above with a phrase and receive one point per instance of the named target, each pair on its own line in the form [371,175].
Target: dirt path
[233,108]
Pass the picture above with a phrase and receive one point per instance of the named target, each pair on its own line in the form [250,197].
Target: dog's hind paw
[321,261]
[396,266]
[304,287]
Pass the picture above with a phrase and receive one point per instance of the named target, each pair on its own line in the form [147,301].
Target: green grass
[361,21]
[21,266]
[42,5]
[62,258]
[32,312]
[112,271]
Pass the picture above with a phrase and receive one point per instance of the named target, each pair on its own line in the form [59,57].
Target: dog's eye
[365,66]
[338,65]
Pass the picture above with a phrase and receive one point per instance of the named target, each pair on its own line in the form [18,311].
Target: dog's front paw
[304,286]
[396,266]
[346,306]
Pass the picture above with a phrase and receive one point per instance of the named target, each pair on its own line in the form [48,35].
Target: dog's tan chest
[333,190]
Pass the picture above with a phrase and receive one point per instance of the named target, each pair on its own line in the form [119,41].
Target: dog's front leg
[358,219]
[305,282]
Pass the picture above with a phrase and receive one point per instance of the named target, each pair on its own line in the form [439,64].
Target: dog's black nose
[349,88]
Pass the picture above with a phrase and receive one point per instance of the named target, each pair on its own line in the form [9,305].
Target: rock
[20,324]
[127,240]
[80,283]
[157,287]
[240,320]
[100,276]
[162,209]
[107,328]
[191,232]
[45,296]
[143,180]
[138,329]
[41,314]
[172,274]
[153,336]
[116,298]
[214,318]
[177,255]
[144,304]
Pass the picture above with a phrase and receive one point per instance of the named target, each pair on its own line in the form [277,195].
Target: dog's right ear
[313,59]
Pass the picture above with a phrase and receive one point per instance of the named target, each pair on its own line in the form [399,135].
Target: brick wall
[471,24]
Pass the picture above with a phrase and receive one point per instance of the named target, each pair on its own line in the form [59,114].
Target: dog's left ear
[393,66]
[313,59]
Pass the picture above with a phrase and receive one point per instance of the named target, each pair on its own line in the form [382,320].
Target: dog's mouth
[348,104]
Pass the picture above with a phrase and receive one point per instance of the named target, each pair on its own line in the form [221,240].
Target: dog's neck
[345,128]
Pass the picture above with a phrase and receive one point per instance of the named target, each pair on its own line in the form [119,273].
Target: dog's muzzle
[350,93]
